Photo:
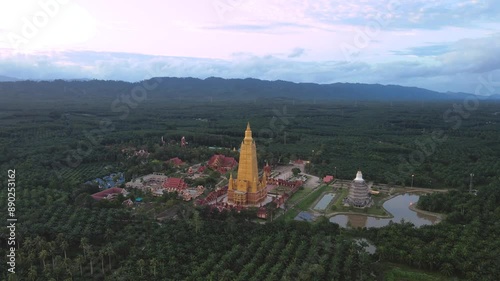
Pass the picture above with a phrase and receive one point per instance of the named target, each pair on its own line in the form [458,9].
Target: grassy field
[341,194]
[311,198]
[289,215]
[301,193]
[308,196]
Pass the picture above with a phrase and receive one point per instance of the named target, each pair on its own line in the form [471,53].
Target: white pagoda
[359,193]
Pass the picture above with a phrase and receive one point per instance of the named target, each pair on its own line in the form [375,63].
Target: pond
[323,203]
[397,206]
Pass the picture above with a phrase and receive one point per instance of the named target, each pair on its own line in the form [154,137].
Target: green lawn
[301,193]
[339,197]
[289,215]
[309,200]
[308,196]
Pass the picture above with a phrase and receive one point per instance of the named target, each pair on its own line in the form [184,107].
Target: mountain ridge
[234,89]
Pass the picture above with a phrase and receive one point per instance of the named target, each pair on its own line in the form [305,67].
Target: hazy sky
[440,45]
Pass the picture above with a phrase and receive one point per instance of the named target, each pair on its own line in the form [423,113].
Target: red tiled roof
[103,194]
[174,183]
[328,178]
[176,161]
[222,163]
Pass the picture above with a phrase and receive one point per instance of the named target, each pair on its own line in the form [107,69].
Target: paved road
[312,182]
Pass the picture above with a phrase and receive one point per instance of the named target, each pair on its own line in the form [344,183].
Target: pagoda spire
[248,133]
[359,176]
[231,181]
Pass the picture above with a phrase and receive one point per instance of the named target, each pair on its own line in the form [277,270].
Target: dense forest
[57,135]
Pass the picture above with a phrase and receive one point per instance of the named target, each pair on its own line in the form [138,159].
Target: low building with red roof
[109,194]
[175,161]
[327,178]
[201,169]
[174,184]
[222,163]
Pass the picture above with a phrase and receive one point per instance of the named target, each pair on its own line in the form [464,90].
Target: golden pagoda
[247,189]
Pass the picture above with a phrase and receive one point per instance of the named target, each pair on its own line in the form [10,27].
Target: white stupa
[359,193]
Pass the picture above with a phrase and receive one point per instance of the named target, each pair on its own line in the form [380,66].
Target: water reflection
[397,206]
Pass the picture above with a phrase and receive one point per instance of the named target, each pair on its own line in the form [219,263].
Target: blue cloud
[422,14]
[432,50]
[297,52]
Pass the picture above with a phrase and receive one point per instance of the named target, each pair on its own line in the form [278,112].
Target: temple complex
[359,193]
[247,189]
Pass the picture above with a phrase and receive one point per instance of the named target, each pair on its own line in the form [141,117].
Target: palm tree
[28,243]
[67,265]
[108,234]
[60,266]
[31,257]
[64,247]
[227,275]
[51,248]
[39,242]
[141,263]
[59,238]
[446,268]
[153,262]
[90,255]
[79,260]
[101,255]
[32,274]
[196,221]
[43,255]
[109,251]
[83,244]
[12,277]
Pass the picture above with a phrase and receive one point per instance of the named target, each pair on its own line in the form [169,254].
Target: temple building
[222,163]
[359,193]
[247,189]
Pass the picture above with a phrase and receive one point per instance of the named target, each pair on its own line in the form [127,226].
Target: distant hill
[494,97]
[250,88]
[226,89]
[7,79]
